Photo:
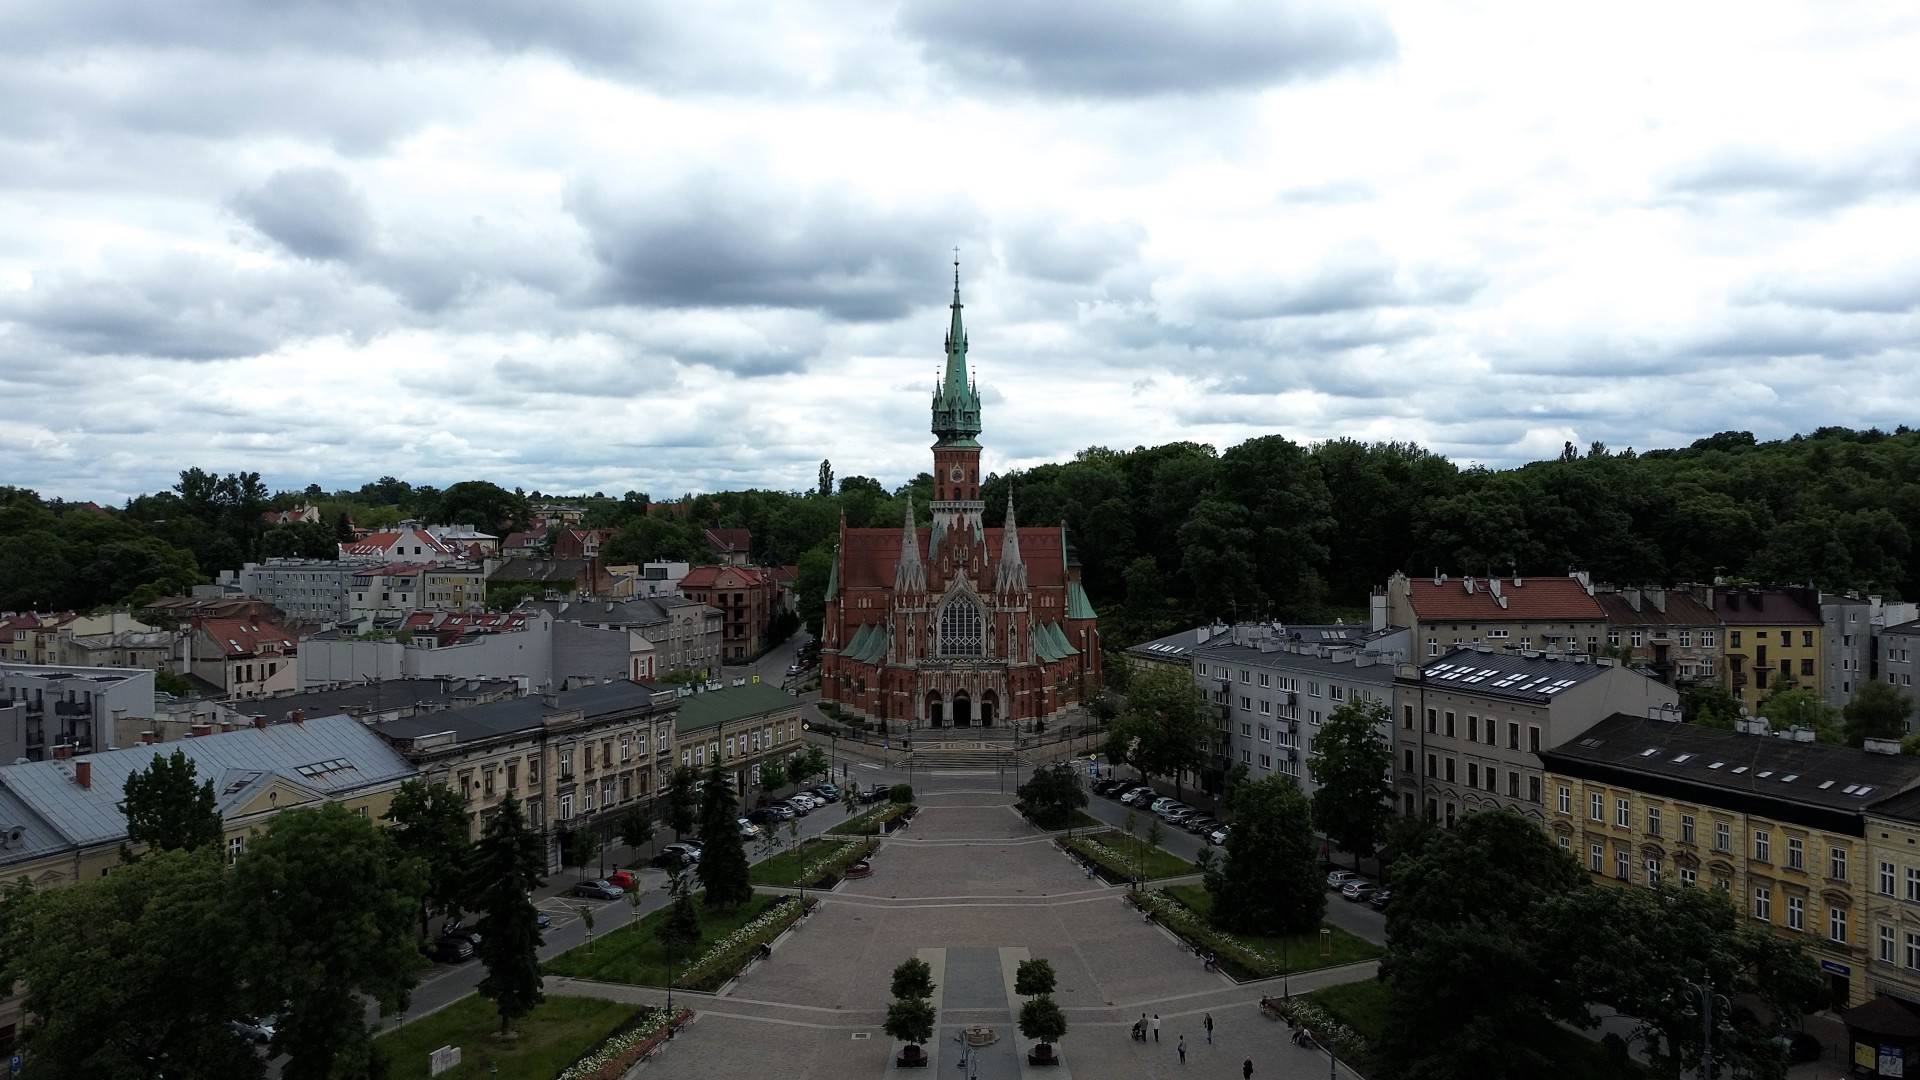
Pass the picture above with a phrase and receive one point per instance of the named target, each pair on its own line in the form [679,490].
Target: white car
[748,830]
[804,800]
[1337,879]
[1162,803]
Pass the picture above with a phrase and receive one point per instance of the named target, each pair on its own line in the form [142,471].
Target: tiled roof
[1810,773]
[1682,610]
[1507,675]
[712,707]
[250,637]
[329,756]
[375,544]
[639,611]
[1766,607]
[555,570]
[868,556]
[786,575]
[708,577]
[451,626]
[1531,599]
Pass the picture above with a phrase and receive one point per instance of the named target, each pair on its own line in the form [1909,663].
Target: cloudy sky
[671,246]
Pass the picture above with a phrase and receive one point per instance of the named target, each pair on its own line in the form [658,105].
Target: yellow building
[739,727]
[60,820]
[1777,823]
[1893,934]
[1772,638]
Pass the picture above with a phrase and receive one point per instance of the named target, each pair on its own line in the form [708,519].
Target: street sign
[15,1064]
[443,1059]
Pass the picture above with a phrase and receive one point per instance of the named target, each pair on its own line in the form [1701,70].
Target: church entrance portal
[962,711]
[988,703]
[935,712]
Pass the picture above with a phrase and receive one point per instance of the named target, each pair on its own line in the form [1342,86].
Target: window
[513,775]
[1806,667]
[1433,766]
[1533,738]
[1513,735]
[566,806]
[1566,799]
[1653,871]
[1246,731]
[1806,642]
[1599,858]
[960,628]
[1837,924]
[1245,703]
[1266,733]
[566,764]
[235,846]
[1245,676]
[1473,728]
[1622,865]
[1266,761]
[1449,723]
[1686,639]
[1762,846]
[1433,647]
[1613,635]
[1266,680]
[1313,689]
[1266,708]
[1653,820]
[1597,807]
[1709,638]
[1449,768]
[1473,775]
[1886,879]
[1686,828]
[1837,863]
[1733,639]
[1433,720]
[1763,903]
[1886,944]
[1533,789]
[1493,774]
[1796,853]
[1722,838]
[1408,759]
[1913,884]
[1406,717]
[1796,913]
[1566,844]
[1639,637]
[1623,813]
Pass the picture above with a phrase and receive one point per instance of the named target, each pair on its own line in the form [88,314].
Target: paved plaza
[973,889]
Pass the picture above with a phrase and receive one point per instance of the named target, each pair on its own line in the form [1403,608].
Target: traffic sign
[15,1064]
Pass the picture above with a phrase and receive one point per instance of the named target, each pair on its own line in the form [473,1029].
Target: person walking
[1209,1026]
[1246,1071]
[1156,1027]
[1183,1049]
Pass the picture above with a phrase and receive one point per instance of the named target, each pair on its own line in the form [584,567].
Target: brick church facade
[957,625]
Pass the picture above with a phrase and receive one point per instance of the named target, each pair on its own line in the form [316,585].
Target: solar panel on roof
[1825,784]
[1739,768]
[1682,759]
[1716,764]
[1789,778]
[1650,751]
[1862,792]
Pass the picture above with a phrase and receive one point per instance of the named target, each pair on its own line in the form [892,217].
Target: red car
[626,879]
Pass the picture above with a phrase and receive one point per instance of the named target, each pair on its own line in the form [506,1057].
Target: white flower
[608,1052]
[783,911]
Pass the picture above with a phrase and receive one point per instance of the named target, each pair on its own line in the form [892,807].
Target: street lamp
[1708,1002]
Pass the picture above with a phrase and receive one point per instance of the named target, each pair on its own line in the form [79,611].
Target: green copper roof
[1078,606]
[713,707]
[1051,642]
[869,644]
[956,401]
[833,575]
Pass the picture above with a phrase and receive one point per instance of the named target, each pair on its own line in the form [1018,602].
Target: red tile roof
[1682,610]
[250,637]
[708,577]
[868,556]
[450,627]
[786,575]
[1559,599]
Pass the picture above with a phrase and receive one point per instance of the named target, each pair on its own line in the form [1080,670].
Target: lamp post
[1708,1001]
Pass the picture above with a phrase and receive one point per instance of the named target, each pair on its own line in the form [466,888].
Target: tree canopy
[1351,763]
[167,811]
[509,863]
[1271,882]
[1877,711]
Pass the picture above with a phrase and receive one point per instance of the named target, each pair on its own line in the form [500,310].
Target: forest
[1167,536]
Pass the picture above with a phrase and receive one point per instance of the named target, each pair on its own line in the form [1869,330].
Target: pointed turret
[956,403]
[910,574]
[1011,574]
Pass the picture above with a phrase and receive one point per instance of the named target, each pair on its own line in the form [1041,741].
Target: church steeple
[956,401]
[1011,573]
[910,574]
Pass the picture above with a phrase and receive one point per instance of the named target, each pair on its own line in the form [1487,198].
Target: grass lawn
[868,822]
[632,954]
[556,1033]
[1295,952]
[1362,1006]
[1117,852]
[785,868]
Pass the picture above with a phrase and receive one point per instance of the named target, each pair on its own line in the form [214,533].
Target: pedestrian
[1183,1049]
[1246,1070]
[1156,1027]
[1209,1025]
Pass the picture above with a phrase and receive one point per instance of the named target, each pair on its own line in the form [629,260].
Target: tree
[1636,950]
[1877,711]
[1461,976]
[1042,1021]
[1790,708]
[167,811]
[723,861]
[773,774]
[1709,705]
[131,974]
[910,1020]
[1052,795]
[579,847]
[683,800]
[1162,727]
[1033,978]
[810,764]
[1351,763]
[636,829]
[484,505]
[428,822]
[913,979]
[1271,883]
[682,926]
[327,907]
[826,478]
[508,864]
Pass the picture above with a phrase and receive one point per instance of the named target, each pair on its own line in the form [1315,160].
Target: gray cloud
[1884,291]
[1071,252]
[313,212]
[1796,182]
[713,241]
[1100,49]
[1351,281]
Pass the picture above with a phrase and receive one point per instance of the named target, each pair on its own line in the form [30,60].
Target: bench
[1271,1007]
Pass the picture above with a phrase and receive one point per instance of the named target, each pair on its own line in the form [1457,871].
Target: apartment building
[1270,688]
[1550,614]
[746,595]
[1473,724]
[579,758]
[1898,657]
[1666,631]
[739,726]
[393,590]
[686,634]
[44,708]
[245,658]
[1778,823]
[1774,637]
[306,590]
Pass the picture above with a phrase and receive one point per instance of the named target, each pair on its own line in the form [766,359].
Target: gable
[276,793]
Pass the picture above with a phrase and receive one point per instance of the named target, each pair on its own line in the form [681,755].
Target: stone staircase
[953,754]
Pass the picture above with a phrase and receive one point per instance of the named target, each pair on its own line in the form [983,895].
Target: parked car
[254,1030]
[675,857]
[1137,797]
[1200,824]
[1380,898]
[876,793]
[795,669]
[1113,787]
[803,803]
[748,830]
[456,928]
[542,919]
[626,879]
[1175,814]
[767,815]
[599,890]
[1162,803]
[829,792]
[1337,879]
[797,806]
[1218,837]
[448,950]
[1357,890]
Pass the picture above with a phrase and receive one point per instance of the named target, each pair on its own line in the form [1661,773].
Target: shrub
[901,793]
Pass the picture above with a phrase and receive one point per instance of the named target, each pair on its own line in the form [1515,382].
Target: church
[957,625]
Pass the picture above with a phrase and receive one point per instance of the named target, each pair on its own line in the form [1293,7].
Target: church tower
[957,506]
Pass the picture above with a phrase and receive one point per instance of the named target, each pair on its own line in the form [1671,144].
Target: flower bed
[1236,957]
[816,864]
[631,1043]
[1112,854]
[728,955]
[1347,1043]
[871,822]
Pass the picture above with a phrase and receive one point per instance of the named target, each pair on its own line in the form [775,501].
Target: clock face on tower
[957,474]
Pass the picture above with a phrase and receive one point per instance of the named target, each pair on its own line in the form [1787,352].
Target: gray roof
[1172,647]
[1766,766]
[1517,676]
[522,714]
[376,697]
[1380,671]
[639,611]
[1903,628]
[329,756]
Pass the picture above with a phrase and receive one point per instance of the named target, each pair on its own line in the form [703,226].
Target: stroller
[1139,1031]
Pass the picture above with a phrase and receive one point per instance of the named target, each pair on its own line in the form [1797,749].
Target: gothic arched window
[960,628]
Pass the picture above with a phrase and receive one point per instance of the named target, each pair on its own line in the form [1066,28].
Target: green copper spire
[956,401]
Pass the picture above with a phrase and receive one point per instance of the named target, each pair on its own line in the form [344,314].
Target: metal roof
[522,714]
[1507,675]
[714,707]
[330,756]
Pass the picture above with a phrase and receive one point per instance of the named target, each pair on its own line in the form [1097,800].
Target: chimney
[551,701]
[260,722]
[83,773]
[1516,580]
[63,752]
[1803,734]
[200,729]
[1881,746]
[147,738]
[298,716]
